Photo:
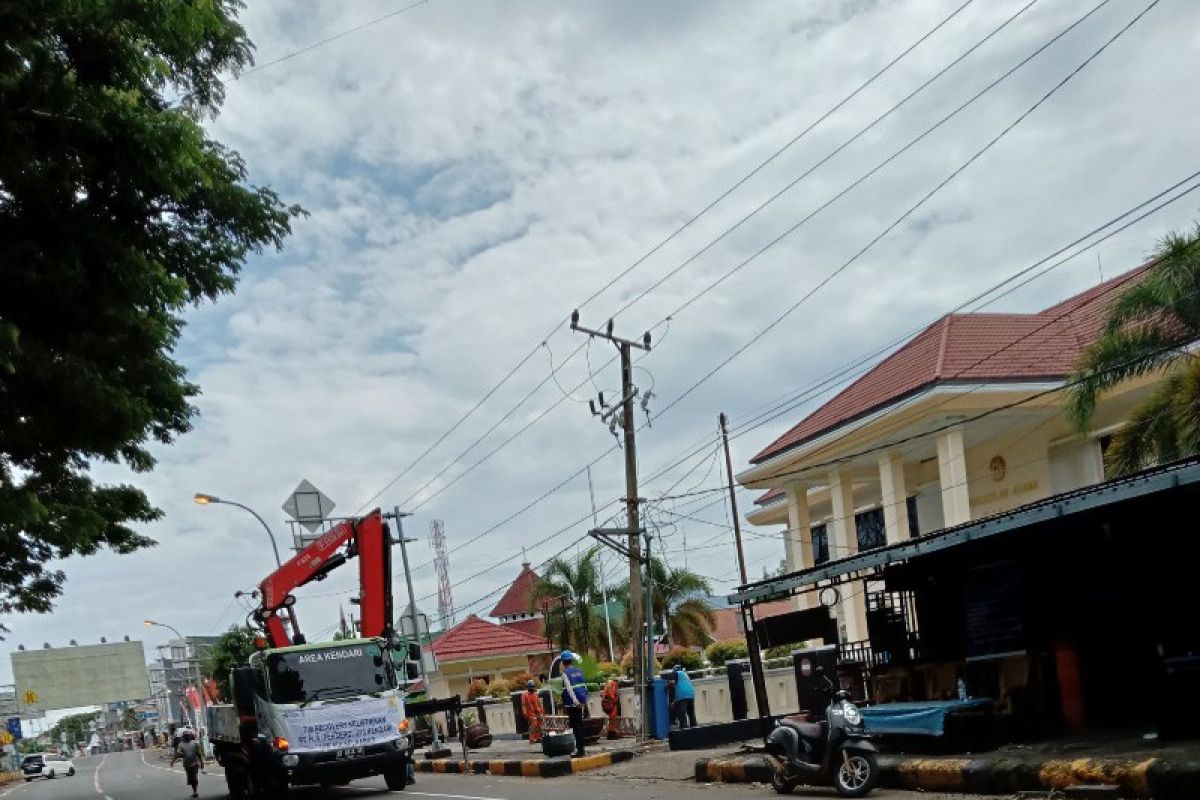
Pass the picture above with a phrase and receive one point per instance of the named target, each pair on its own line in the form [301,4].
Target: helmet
[530,684]
[566,655]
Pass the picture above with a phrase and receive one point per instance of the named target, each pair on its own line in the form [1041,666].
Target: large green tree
[117,212]
[1146,330]
[232,649]
[569,591]
[680,611]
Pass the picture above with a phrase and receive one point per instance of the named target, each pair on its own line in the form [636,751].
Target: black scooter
[835,750]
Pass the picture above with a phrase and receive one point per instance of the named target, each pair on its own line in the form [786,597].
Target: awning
[1180,473]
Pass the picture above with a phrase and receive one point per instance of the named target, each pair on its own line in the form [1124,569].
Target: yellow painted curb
[942,774]
[1129,775]
[531,769]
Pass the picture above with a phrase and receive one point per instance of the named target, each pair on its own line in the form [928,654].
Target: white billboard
[70,677]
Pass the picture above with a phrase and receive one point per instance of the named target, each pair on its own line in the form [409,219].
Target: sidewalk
[1139,768]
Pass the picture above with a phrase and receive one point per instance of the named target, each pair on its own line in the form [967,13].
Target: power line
[328,39]
[929,195]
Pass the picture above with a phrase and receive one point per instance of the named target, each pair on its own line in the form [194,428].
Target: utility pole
[752,648]
[637,614]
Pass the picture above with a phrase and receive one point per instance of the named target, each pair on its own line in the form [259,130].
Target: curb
[1147,778]
[526,768]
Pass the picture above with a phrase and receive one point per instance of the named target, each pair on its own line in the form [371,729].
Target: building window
[914,527]
[820,543]
[870,528]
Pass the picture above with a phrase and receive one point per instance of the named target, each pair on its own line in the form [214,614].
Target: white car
[46,765]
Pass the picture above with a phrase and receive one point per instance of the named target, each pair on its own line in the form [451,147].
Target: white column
[952,474]
[894,496]
[797,540]
[843,542]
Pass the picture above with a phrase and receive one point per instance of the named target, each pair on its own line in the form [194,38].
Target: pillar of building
[894,496]
[797,541]
[843,542]
[952,474]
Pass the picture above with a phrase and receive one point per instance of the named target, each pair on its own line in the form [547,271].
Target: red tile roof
[475,637]
[516,599]
[968,348]
[727,619]
[534,627]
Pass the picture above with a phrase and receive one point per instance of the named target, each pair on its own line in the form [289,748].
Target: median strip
[526,768]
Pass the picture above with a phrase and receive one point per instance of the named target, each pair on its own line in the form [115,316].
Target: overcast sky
[475,170]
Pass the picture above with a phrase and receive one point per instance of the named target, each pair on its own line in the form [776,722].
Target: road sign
[309,506]
[6,737]
[30,698]
[12,727]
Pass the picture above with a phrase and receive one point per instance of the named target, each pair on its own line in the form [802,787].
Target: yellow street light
[202,499]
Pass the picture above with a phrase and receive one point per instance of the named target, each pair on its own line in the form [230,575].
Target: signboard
[13,726]
[309,506]
[71,677]
[343,726]
[12,706]
[994,610]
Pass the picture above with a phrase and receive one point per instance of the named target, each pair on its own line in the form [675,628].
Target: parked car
[46,765]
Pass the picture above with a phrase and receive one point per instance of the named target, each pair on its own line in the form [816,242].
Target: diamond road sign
[309,506]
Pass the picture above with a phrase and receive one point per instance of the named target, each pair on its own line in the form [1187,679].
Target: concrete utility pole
[637,613]
[752,648]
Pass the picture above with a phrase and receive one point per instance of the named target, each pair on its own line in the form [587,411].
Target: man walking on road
[574,697]
[193,761]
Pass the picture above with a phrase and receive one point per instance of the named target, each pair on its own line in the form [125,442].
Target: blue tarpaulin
[920,719]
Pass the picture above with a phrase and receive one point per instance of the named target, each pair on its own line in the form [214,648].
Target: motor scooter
[835,750]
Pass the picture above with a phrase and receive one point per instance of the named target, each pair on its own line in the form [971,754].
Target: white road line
[425,794]
[14,788]
[96,777]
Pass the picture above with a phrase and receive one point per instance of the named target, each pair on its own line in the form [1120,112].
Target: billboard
[70,677]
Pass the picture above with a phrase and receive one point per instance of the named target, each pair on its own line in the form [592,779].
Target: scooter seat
[808,730]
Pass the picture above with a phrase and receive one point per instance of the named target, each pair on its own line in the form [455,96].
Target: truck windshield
[328,674]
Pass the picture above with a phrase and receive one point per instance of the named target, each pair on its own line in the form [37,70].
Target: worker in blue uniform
[574,697]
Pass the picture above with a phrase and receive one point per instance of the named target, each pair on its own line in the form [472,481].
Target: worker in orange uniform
[531,709]
[610,702]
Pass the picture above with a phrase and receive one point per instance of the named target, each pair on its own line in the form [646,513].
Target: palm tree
[1145,329]
[569,592]
[678,609]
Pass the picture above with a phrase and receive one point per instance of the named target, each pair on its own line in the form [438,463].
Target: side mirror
[244,680]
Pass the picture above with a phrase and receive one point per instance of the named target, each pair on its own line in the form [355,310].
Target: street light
[202,499]
[195,662]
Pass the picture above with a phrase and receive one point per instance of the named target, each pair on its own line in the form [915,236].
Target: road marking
[96,777]
[425,794]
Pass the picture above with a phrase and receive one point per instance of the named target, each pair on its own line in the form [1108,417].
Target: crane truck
[323,713]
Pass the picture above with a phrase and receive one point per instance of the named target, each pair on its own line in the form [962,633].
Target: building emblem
[997,468]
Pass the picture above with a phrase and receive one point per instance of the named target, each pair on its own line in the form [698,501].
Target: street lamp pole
[202,499]
[199,677]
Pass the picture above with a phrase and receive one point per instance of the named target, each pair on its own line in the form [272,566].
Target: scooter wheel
[857,775]
[781,784]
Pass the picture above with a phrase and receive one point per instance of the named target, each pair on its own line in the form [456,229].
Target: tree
[679,610]
[74,728]
[570,591]
[232,649]
[117,212]
[1144,331]
[129,719]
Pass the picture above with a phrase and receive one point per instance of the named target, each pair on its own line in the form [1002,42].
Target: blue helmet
[566,655]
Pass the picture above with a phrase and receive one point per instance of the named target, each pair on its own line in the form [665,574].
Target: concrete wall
[713,703]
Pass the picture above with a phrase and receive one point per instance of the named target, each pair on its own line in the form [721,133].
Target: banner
[338,726]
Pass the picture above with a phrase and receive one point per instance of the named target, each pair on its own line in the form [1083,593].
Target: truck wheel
[235,781]
[396,778]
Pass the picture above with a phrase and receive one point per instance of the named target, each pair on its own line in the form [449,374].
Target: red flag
[193,697]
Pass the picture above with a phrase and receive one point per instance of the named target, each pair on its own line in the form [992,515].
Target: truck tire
[396,777]
[235,781]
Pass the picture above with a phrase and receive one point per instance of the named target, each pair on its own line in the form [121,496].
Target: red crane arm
[367,538]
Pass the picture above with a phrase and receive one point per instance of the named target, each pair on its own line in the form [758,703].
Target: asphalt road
[138,776]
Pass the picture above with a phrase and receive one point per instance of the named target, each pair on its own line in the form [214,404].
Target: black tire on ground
[782,785]
[857,775]
[71,772]
[396,778]
[235,781]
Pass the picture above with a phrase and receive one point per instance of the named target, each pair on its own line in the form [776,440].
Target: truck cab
[313,714]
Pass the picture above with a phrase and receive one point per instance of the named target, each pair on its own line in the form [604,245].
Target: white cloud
[475,170]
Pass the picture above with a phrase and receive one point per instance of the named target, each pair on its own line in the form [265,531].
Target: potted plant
[476,735]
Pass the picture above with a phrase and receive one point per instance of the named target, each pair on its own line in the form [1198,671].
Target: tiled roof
[727,619]
[475,637]
[534,627]
[516,599]
[968,348]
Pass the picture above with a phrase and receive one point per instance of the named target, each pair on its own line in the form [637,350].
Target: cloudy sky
[475,170]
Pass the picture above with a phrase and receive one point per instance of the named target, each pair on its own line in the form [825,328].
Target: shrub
[626,666]
[500,689]
[606,670]
[518,681]
[783,650]
[478,689]
[690,659]
[720,652]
